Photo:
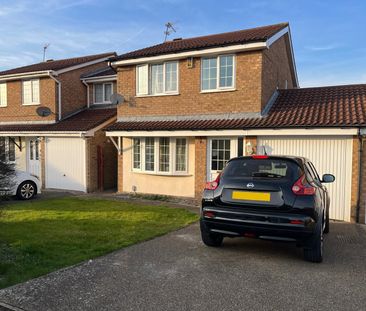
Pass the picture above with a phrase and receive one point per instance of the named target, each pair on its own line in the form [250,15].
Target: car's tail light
[209,214]
[296,222]
[212,185]
[301,187]
[259,156]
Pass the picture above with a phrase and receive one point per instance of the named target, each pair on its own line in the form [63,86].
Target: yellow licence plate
[251,196]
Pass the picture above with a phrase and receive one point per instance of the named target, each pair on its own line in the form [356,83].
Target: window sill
[3,106]
[157,95]
[32,104]
[218,91]
[104,103]
[162,174]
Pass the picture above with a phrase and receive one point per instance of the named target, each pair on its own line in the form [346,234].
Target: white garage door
[65,163]
[330,154]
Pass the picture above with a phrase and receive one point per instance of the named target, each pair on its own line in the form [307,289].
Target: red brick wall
[276,69]
[16,111]
[246,97]
[200,166]
[73,91]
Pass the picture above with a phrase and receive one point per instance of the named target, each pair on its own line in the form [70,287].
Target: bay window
[217,73]
[157,79]
[7,149]
[31,92]
[160,155]
[102,93]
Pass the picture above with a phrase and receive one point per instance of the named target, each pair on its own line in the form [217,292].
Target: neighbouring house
[52,116]
[192,104]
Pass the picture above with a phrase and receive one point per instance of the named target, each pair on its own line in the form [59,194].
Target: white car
[25,186]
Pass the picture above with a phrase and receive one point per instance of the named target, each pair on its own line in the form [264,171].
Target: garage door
[65,163]
[330,155]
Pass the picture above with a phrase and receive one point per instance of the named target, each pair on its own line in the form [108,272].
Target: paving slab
[177,272]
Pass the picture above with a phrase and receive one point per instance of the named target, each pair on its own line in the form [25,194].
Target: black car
[278,198]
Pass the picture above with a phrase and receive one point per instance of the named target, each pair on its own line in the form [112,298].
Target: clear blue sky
[328,36]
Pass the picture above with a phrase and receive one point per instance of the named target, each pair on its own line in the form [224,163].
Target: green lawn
[38,237]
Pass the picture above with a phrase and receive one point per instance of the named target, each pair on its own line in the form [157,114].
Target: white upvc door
[219,151]
[33,156]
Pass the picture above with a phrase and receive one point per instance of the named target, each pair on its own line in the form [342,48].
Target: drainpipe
[87,92]
[59,95]
[360,152]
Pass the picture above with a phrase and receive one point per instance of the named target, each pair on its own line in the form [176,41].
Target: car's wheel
[209,238]
[27,190]
[314,250]
[326,227]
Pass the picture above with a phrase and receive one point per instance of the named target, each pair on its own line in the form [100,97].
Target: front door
[220,150]
[33,154]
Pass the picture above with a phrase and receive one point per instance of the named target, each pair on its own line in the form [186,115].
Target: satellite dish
[117,99]
[43,111]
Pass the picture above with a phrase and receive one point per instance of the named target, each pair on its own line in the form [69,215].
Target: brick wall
[200,166]
[276,69]
[16,111]
[110,162]
[363,184]
[73,91]
[354,186]
[246,97]
[120,172]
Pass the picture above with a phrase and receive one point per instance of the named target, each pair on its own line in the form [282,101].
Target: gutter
[33,74]
[59,95]
[360,135]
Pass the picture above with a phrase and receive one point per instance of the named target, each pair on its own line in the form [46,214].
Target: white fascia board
[99,127]
[96,61]
[100,79]
[254,132]
[43,134]
[174,56]
[26,75]
[27,122]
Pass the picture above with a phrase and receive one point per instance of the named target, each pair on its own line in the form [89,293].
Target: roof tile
[332,106]
[258,34]
[56,64]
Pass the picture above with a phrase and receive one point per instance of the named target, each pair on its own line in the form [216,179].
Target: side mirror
[328,178]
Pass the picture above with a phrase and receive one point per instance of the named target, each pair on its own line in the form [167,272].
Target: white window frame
[3,88]
[218,88]
[149,80]
[103,85]
[172,157]
[7,150]
[32,103]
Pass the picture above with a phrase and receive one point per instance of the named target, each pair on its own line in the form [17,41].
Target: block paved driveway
[177,272]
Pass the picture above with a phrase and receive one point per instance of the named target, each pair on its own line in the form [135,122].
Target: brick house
[66,147]
[192,104]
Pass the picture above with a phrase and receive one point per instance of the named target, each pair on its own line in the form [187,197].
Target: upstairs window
[217,73]
[157,79]
[31,92]
[3,95]
[102,93]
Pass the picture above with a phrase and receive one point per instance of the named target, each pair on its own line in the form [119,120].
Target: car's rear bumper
[273,226]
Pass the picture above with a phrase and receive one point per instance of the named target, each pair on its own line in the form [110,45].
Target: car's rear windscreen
[262,168]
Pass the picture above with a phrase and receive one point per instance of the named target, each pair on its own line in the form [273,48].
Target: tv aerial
[45,47]
[169,30]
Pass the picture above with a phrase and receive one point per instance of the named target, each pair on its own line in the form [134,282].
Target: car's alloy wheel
[26,190]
